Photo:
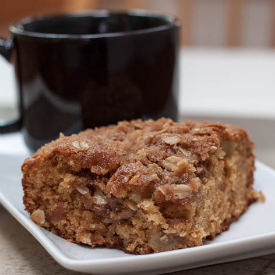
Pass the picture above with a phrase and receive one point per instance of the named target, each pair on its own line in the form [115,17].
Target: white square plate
[252,235]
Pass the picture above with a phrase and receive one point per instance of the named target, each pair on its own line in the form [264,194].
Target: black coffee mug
[91,69]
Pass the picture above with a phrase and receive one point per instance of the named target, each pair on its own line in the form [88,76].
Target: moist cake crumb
[142,186]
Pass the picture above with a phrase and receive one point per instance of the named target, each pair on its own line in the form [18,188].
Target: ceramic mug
[85,70]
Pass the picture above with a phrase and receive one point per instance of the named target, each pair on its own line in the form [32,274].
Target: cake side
[142,186]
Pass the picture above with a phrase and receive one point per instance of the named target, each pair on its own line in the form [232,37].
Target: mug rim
[17,29]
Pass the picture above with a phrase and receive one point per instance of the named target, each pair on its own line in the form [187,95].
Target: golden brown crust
[104,148]
[142,186]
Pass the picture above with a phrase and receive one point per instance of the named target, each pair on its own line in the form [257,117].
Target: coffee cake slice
[142,186]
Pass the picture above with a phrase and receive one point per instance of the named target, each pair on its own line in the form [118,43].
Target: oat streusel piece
[142,186]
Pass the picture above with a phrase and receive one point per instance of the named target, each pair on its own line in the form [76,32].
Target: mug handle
[12,125]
